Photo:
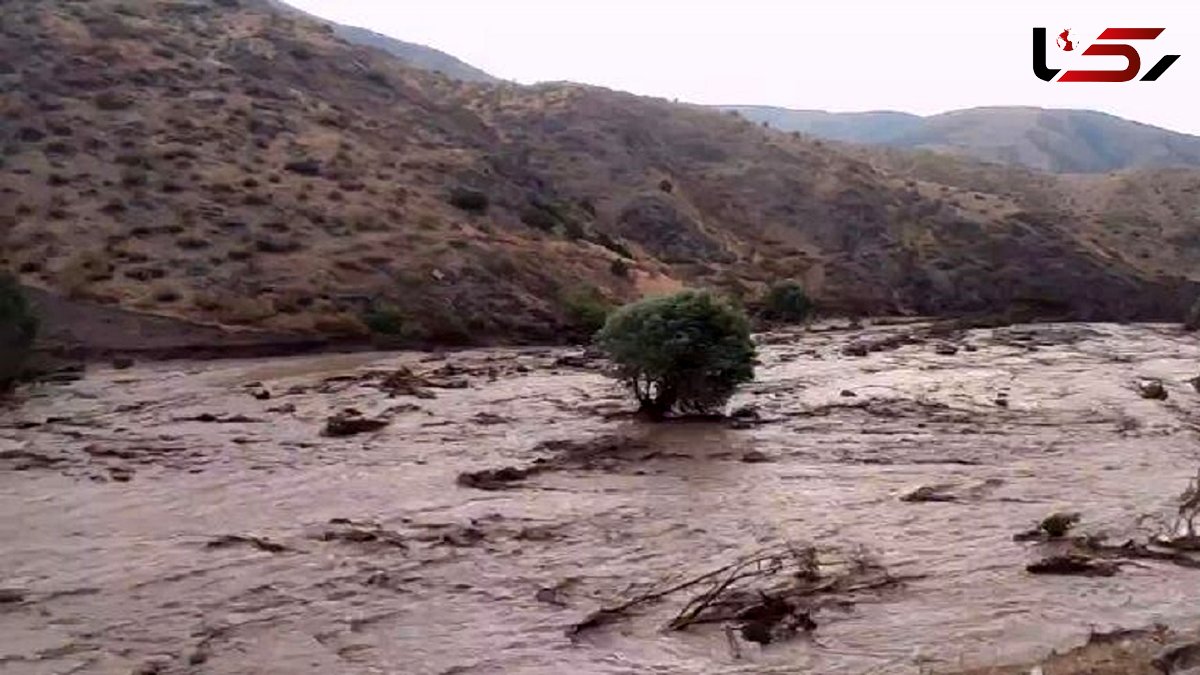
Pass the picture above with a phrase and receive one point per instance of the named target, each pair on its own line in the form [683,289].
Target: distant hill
[882,126]
[415,55]
[1063,141]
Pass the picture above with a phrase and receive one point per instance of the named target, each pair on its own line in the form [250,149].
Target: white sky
[922,56]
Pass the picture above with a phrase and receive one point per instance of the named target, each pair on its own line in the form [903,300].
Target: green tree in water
[786,301]
[686,352]
[18,326]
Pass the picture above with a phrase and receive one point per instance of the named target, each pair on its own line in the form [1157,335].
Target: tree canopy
[686,352]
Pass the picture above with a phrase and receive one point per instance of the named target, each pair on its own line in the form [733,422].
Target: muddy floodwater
[192,517]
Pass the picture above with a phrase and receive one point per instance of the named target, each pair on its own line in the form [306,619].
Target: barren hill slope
[229,164]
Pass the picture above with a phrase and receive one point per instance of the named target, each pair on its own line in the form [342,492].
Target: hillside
[1063,141]
[229,164]
[415,55]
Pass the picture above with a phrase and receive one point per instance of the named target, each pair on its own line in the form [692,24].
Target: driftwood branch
[768,595]
[702,602]
[607,614]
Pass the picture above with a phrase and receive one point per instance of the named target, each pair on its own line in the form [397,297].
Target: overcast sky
[922,56]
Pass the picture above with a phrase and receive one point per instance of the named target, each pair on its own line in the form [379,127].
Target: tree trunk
[655,399]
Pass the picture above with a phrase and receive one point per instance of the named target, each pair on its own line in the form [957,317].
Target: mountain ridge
[417,55]
[1063,140]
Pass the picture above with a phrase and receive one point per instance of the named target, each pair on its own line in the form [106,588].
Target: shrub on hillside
[447,326]
[340,324]
[384,320]
[18,326]
[113,100]
[686,352]
[613,245]
[539,219]
[587,309]
[472,201]
[786,301]
[553,216]
[378,77]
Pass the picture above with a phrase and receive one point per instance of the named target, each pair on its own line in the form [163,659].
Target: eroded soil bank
[202,517]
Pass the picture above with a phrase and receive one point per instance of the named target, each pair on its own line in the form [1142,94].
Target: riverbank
[1151,651]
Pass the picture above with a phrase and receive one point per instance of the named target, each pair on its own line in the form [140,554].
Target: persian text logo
[1104,46]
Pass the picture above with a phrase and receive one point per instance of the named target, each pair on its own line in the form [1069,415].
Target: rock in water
[855,349]
[1054,526]
[260,543]
[1076,565]
[746,412]
[1058,524]
[493,479]
[351,423]
[1153,390]
[403,382]
[583,360]
[930,493]
[756,631]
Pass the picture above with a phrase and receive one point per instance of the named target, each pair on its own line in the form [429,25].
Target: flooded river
[173,518]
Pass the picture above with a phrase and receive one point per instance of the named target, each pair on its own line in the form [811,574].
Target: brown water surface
[113,488]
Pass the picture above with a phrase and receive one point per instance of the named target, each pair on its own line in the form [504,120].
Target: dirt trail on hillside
[192,517]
